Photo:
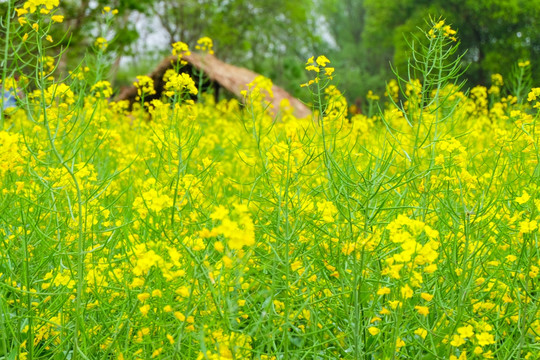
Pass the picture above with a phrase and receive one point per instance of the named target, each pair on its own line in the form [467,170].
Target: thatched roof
[227,76]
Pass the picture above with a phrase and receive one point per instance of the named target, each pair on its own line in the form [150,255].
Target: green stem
[4,63]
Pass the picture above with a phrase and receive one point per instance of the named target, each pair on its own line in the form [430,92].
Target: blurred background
[275,37]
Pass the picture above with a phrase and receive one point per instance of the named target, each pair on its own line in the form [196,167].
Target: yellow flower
[466,331]
[101,43]
[57,18]
[310,82]
[394,304]
[371,96]
[373,330]
[296,265]
[383,291]
[179,316]
[534,271]
[439,25]
[497,80]
[462,356]
[177,83]
[430,269]
[102,89]
[183,291]
[144,309]
[485,338]
[21,12]
[421,332]
[511,258]
[145,86]
[422,310]
[533,94]
[220,213]
[218,245]
[322,61]
[524,197]
[156,353]
[143,296]
[205,44]
[527,226]
[407,292]
[449,32]
[457,341]
[180,48]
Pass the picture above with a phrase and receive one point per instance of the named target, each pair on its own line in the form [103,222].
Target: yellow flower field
[201,230]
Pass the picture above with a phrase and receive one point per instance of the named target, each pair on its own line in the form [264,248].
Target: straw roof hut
[221,75]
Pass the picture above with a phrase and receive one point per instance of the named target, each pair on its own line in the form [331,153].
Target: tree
[266,36]
[84,22]
[345,46]
[496,33]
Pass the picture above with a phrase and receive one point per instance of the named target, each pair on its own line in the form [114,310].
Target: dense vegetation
[233,230]
[361,36]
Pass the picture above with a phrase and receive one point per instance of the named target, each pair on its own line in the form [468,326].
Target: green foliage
[488,28]
[273,37]
[345,20]
[183,230]
[246,33]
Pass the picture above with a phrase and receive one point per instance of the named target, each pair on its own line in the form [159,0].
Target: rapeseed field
[182,229]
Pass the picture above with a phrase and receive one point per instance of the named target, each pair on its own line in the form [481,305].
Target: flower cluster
[319,66]
[205,44]
[145,86]
[534,95]
[107,10]
[441,29]
[101,43]
[102,89]
[180,49]
[44,6]
[176,84]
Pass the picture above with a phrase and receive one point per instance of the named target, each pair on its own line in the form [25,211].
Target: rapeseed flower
[101,43]
[216,229]
[205,44]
